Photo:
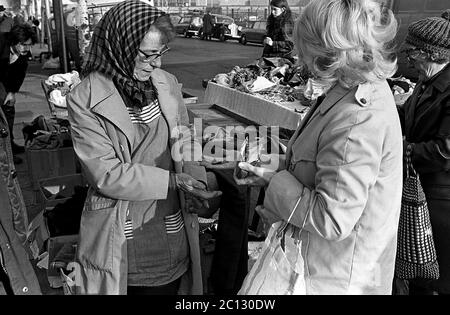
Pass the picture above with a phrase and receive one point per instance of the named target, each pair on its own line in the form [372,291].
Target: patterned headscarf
[114,46]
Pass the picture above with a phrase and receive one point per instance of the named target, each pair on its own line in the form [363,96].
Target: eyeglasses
[414,55]
[151,57]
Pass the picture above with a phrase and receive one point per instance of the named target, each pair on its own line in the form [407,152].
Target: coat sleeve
[16,75]
[434,155]
[193,167]
[104,170]
[348,160]
[401,115]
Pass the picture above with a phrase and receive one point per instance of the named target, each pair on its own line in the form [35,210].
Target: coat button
[25,289]
[3,133]
[363,101]
[13,174]
[8,246]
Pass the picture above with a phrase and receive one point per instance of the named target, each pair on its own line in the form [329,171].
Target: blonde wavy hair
[349,41]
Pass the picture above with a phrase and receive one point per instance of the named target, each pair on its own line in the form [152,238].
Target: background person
[343,173]
[208,24]
[425,119]
[6,22]
[280,24]
[14,47]
[122,116]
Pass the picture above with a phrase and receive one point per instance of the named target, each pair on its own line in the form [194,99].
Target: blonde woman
[343,174]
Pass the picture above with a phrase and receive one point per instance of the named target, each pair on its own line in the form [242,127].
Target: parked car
[220,27]
[188,25]
[255,33]
[237,36]
[175,19]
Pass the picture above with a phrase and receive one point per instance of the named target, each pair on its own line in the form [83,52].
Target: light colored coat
[102,132]
[344,179]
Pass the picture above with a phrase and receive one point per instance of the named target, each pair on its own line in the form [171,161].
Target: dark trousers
[10,113]
[230,262]
[167,289]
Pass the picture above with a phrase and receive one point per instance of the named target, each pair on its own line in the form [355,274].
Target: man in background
[6,22]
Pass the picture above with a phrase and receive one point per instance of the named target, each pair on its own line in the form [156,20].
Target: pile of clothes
[274,79]
[47,133]
[59,85]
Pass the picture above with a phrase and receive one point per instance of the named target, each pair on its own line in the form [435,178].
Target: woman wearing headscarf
[136,234]
[425,119]
[278,42]
[342,180]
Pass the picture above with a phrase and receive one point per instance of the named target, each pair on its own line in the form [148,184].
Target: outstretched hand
[195,188]
[259,175]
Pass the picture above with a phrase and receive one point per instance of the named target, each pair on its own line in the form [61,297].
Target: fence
[239,13]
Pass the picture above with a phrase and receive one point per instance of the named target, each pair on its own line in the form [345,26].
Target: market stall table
[286,115]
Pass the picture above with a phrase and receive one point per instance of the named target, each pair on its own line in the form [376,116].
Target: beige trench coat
[344,182]
[102,132]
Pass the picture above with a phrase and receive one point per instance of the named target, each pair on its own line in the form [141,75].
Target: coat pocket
[96,245]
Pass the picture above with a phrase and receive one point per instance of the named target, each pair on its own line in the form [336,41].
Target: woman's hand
[195,188]
[261,175]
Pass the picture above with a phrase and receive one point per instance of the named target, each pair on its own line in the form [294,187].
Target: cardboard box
[61,252]
[50,163]
[58,190]
[69,194]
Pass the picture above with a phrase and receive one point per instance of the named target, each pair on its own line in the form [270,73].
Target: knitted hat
[431,35]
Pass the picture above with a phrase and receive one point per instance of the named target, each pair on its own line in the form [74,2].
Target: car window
[197,21]
[224,20]
[259,25]
[186,19]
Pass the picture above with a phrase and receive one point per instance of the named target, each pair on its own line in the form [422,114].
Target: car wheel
[243,40]
[222,37]
[186,35]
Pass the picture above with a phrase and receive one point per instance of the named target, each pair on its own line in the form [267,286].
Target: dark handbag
[416,254]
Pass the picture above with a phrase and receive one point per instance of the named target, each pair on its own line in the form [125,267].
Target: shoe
[17,160]
[17,149]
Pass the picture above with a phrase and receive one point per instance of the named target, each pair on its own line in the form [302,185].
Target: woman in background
[425,119]
[280,24]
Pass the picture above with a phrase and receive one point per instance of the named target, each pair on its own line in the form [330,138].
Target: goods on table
[59,85]
[273,79]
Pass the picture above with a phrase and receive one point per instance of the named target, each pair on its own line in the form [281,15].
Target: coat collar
[363,96]
[107,101]
[441,82]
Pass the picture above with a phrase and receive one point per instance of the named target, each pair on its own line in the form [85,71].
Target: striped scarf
[114,47]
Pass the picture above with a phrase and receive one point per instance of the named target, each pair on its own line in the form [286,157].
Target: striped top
[146,114]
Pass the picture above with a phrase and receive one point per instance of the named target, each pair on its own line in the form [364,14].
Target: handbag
[279,269]
[416,254]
